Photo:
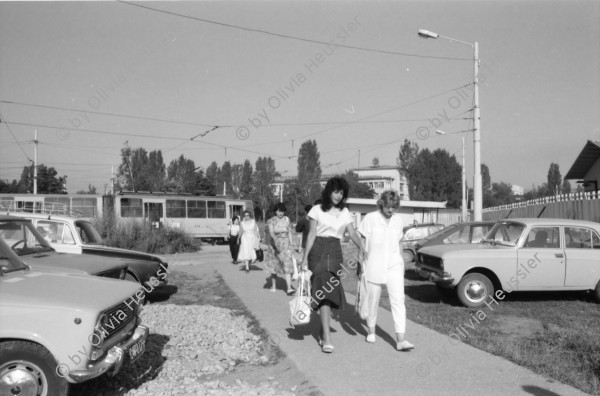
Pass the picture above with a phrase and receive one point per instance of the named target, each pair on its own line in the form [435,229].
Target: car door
[582,252]
[541,261]
[60,235]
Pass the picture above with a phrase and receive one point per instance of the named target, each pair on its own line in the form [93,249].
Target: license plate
[137,350]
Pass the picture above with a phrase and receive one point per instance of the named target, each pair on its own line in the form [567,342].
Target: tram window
[196,209]
[175,208]
[131,207]
[57,204]
[85,207]
[216,210]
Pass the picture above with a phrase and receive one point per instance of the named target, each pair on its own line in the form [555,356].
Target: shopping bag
[300,304]
[362,306]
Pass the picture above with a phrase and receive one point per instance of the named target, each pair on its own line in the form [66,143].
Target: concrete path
[437,366]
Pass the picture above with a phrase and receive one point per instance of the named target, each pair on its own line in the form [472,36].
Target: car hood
[462,250]
[118,252]
[69,262]
[71,292]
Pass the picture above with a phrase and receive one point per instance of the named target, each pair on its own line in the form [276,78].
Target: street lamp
[477,187]
[464,179]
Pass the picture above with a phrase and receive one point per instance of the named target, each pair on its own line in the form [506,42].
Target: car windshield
[505,233]
[88,234]
[9,261]
[23,238]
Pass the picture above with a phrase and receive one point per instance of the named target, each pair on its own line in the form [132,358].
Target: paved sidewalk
[437,366]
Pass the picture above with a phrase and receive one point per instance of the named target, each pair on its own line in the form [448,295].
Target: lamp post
[464,178]
[477,186]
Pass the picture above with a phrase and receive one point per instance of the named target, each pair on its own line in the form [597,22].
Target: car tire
[28,368]
[408,256]
[597,293]
[474,289]
[130,277]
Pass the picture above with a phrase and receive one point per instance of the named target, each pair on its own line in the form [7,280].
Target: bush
[139,235]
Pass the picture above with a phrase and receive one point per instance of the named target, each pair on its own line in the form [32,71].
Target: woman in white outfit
[248,240]
[384,265]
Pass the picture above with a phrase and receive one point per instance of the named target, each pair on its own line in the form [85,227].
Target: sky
[91,77]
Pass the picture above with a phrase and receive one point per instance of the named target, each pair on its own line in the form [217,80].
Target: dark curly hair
[279,206]
[336,183]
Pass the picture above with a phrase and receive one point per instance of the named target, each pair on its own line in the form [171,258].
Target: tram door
[235,210]
[154,213]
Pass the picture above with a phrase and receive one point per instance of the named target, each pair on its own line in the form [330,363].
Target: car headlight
[98,337]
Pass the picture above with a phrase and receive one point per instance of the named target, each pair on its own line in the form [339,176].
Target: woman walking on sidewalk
[323,253]
[280,258]
[384,265]
[248,239]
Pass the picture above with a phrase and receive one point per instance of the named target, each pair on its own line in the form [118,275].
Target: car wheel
[29,369]
[408,256]
[597,292]
[130,277]
[474,289]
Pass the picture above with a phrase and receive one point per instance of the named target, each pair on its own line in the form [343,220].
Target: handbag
[362,306]
[260,256]
[300,304]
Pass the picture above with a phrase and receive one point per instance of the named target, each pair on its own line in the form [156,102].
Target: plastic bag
[362,306]
[300,304]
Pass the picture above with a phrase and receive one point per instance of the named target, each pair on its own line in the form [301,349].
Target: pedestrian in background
[382,231]
[329,221]
[303,226]
[248,239]
[234,232]
[279,258]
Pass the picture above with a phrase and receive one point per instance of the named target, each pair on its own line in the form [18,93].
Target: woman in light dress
[248,240]
[279,258]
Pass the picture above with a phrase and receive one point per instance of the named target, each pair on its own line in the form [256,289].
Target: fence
[579,206]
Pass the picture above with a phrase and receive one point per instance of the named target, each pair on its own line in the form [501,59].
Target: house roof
[586,159]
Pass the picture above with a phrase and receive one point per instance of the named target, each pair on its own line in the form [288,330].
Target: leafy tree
[375,162]
[140,171]
[566,187]
[262,194]
[486,180]
[554,179]
[435,176]
[246,181]
[203,186]
[357,189]
[237,171]
[407,155]
[309,171]
[47,181]
[212,175]
[225,179]
[501,194]
[181,175]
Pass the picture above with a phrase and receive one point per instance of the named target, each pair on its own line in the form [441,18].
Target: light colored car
[59,328]
[25,241]
[517,255]
[413,234]
[67,234]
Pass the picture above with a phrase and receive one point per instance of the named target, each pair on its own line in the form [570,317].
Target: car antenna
[542,211]
[509,213]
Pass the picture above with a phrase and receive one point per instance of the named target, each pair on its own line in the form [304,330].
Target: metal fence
[579,206]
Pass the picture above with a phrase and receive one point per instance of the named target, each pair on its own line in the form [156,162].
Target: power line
[3,121]
[285,36]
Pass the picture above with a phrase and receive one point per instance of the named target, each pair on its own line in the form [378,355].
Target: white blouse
[383,245]
[331,223]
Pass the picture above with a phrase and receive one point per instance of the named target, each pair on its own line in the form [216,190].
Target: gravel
[187,348]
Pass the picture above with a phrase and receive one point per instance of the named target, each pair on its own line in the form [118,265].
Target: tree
[435,176]
[237,172]
[486,180]
[375,162]
[357,189]
[407,155]
[140,171]
[246,181]
[566,187]
[225,179]
[181,175]
[501,194]
[262,194]
[212,175]
[309,171]
[47,181]
[554,179]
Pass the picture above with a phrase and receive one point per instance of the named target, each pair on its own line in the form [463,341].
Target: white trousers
[395,288]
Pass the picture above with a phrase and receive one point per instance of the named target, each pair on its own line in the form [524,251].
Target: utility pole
[35,141]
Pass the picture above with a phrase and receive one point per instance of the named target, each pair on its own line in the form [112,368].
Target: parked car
[59,328]
[468,232]
[67,234]
[22,237]
[517,255]
[414,233]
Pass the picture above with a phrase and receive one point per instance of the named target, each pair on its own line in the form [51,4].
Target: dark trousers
[234,248]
